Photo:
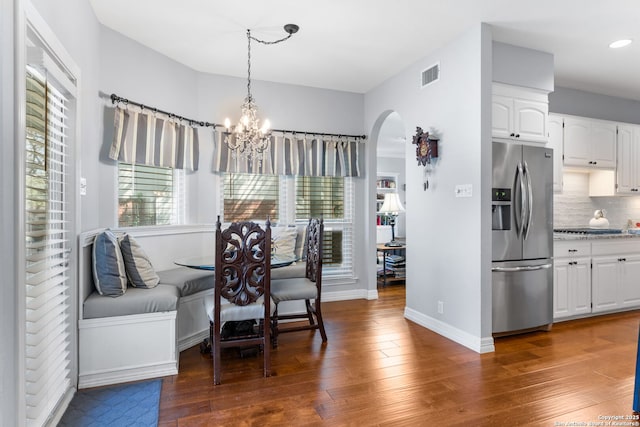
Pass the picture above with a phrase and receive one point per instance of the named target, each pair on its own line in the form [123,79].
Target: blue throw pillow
[109,274]
[137,264]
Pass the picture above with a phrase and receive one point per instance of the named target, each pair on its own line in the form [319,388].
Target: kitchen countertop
[571,236]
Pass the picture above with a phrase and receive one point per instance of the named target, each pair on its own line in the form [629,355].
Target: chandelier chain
[249,97]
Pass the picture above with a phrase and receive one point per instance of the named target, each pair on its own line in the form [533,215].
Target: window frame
[179,197]
[287,215]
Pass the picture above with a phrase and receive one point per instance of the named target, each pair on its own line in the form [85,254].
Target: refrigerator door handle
[527,223]
[522,268]
[520,219]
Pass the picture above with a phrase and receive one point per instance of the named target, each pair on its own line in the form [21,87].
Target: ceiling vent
[431,75]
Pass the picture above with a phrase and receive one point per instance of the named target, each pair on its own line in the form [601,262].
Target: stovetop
[586,230]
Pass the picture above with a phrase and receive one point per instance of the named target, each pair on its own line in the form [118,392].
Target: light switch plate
[464,190]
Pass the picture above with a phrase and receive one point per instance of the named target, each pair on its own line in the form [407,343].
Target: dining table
[207,262]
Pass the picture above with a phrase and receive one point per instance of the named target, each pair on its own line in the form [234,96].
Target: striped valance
[289,154]
[146,138]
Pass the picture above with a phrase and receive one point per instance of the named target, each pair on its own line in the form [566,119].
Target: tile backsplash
[574,208]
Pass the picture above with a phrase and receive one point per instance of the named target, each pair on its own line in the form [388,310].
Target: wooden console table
[386,250]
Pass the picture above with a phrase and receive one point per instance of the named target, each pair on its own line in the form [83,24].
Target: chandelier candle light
[248,138]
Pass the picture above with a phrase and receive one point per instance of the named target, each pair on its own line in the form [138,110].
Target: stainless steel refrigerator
[522,238]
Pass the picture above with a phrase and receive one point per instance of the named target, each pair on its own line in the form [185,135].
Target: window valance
[293,154]
[152,139]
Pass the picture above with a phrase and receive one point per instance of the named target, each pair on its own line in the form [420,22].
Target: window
[256,197]
[48,217]
[149,195]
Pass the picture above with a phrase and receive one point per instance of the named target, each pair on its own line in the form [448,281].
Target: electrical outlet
[83,186]
[440,307]
[464,190]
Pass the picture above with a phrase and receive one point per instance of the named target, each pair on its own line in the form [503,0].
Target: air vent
[431,75]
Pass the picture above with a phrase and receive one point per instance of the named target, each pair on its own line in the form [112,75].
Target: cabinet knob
[512,135]
[590,162]
[595,163]
[517,135]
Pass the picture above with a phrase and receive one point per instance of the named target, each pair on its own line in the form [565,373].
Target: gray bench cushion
[134,301]
[295,270]
[188,280]
[293,289]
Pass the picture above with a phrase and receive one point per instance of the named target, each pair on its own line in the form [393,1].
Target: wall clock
[426,151]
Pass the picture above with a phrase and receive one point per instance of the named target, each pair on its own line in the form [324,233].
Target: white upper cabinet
[555,142]
[589,143]
[628,162]
[519,114]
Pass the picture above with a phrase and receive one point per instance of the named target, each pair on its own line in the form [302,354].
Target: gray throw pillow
[109,274]
[137,264]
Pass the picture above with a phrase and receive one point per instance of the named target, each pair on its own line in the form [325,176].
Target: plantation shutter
[47,245]
[250,197]
[146,195]
[329,198]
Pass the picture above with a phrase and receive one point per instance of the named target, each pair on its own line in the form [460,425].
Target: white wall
[8,323]
[449,246]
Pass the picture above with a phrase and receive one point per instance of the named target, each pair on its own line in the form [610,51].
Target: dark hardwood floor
[381,369]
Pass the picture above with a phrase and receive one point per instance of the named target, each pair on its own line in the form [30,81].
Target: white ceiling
[354,45]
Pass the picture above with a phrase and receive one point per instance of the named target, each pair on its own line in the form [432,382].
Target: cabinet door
[603,144]
[604,283]
[561,296]
[629,271]
[636,160]
[555,142]
[625,168]
[502,116]
[577,151]
[580,285]
[530,120]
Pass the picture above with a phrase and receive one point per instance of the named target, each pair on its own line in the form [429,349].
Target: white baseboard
[195,339]
[349,295]
[133,373]
[477,344]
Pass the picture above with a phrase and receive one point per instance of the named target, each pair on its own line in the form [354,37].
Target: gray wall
[587,104]
[444,264]
[520,66]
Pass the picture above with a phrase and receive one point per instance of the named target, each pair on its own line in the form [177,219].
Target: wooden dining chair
[241,293]
[308,288]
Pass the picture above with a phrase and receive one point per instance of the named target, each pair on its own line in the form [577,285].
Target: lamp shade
[391,204]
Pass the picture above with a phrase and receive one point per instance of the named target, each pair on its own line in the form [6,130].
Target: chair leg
[320,322]
[215,351]
[267,349]
[310,312]
[274,328]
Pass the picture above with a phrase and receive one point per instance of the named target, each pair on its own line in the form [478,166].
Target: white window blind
[254,197]
[249,197]
[330,198]
[47,245]
[149,195]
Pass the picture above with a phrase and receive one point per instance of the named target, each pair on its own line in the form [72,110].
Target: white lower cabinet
[595,277]
[615,276]
[571,287]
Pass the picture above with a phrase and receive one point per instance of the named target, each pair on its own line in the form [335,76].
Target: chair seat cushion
[136,301]
[231,312]
[293,289]
[297,269]
[188,280]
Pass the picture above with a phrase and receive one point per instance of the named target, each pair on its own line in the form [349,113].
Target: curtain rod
[115,99]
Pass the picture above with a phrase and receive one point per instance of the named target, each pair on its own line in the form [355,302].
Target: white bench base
[127,348]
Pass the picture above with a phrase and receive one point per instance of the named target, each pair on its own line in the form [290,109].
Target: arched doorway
[390,144]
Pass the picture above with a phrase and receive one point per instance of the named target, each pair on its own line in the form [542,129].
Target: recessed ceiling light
[620,43]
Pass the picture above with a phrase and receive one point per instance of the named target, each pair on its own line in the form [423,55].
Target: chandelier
[248,138]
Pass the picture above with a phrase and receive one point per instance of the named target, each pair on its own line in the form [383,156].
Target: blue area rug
[125,405]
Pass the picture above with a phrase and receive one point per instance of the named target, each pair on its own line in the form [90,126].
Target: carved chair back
[243,261]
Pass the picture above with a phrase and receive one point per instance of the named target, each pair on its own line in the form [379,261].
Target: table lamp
[392,207]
